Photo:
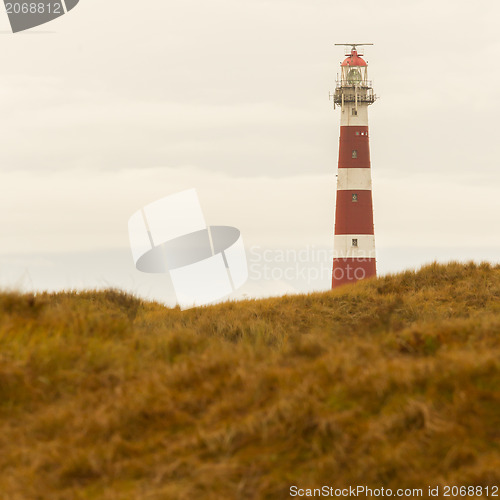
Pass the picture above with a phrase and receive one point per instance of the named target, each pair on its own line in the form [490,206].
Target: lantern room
[354,71]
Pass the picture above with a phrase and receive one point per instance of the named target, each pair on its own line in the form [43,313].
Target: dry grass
[393,382]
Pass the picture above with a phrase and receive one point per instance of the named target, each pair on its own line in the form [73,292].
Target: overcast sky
[119,103]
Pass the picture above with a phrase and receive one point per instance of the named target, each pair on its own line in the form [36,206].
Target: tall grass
[393,382]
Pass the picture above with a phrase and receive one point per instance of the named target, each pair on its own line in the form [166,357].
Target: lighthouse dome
[354,60]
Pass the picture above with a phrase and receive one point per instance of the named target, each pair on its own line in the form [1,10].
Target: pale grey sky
[242,86]
[118,103]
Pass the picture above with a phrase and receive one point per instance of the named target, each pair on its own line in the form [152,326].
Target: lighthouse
[354,240]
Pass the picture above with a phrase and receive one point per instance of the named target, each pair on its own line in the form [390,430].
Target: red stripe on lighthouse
[354,214]
[350,270]
[352,139]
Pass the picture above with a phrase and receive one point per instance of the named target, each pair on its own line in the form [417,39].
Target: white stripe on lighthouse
[354,178]
[359,120]
[344,248]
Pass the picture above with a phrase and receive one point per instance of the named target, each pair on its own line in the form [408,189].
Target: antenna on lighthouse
[353,46]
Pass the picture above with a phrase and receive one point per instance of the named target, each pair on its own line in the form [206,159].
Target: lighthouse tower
[354,246]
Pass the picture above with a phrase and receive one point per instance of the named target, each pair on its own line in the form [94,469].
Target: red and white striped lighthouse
[354,246]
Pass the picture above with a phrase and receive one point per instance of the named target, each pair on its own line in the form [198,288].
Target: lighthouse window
[354,112]
[355,197]
[354,153]
[354,242]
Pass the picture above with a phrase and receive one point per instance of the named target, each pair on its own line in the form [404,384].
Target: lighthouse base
[351,270]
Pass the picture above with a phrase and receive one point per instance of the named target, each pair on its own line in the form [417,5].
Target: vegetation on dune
[393,382]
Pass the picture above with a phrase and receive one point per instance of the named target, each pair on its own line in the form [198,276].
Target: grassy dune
[393,382]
